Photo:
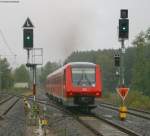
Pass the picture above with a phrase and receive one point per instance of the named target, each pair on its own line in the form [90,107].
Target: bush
[134,99]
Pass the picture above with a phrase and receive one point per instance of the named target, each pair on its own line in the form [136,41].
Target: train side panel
[55,86]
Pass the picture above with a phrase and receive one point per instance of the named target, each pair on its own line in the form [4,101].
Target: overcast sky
[63,26]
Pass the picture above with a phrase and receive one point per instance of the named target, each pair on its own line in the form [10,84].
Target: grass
[19,91]
[135,99]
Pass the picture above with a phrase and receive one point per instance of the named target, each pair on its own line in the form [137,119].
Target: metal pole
[34,81]
[122,62]
[28,55]
[0,75]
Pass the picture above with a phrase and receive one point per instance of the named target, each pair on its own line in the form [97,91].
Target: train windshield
[83,76]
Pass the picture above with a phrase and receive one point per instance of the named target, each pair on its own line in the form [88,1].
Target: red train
[76,84]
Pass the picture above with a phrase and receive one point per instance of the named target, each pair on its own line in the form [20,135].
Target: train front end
[83,84]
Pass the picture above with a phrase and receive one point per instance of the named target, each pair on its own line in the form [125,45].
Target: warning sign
[123,92]
[28,23]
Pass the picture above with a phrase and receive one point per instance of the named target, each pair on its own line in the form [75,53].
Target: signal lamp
[123,28]
[70,93]
[124,13]
[28,38]
[97,94]
[117,60]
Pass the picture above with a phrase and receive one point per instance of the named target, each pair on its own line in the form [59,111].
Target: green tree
[21,74]
[147,63]
[106,61]
[139,66]
[129,65]
[6,78]
[47,69]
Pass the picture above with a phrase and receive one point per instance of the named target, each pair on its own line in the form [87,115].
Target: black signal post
[34,55]
[28,36]
[123,35]
[28,45]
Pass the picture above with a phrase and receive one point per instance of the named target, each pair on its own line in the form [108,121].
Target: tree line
[8,76]
[137,66]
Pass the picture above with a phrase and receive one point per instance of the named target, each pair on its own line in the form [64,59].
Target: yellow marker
[27,106]
[123,112]
[44,122]
[24,99]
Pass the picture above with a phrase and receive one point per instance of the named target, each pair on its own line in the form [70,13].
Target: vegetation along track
[90,126]
[132,111]
[7,104]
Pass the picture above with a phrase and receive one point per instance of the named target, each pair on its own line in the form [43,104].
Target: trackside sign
[123,92]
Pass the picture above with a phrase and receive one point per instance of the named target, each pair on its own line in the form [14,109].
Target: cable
[5,41]
[9,1]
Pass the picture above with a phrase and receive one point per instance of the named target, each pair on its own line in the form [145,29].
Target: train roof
[81,63]
[73,64]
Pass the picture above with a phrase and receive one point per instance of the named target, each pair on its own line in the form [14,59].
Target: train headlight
[97,94]
[70,94]
[93,85]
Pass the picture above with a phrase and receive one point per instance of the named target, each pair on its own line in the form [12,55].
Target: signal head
[123,13]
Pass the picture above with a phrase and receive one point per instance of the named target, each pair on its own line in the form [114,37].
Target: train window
[83,76]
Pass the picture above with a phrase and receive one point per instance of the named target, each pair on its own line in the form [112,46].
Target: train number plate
[84,89]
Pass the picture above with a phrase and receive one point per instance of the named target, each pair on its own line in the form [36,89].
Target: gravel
[65,125]
[13,124]
[137,124]
[62,124]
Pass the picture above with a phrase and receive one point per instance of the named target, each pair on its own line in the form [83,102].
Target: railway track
[5,100]
[92,120]
[132,111]
[12,117]
[121,128]
[87,122]
[7,104]
[69,113]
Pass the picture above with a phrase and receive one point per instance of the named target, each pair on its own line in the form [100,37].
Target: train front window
[83,76]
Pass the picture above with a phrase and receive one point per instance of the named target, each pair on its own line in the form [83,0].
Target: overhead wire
[9,1]
[7,45]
